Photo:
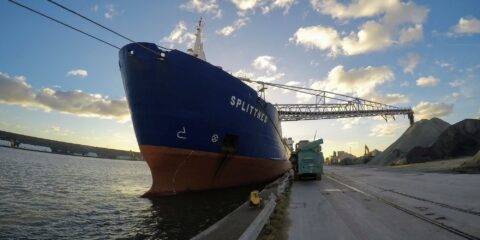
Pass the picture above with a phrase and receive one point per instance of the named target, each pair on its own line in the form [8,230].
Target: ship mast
[198,47]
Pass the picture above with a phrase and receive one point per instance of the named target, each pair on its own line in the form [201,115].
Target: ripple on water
[50,196]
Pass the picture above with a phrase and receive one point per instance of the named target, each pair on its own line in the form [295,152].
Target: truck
[308,160]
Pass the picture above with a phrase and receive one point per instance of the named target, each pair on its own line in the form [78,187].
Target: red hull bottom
[178,170]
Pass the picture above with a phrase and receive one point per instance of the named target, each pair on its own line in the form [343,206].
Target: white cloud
[356,9]
[411,34]
[228,30]
[371,36]
[265,63]
[281,4]
[409,62]
[456,83]
[454,96]
[427,110]
[83,104]
[384,129]
[400,23]
[427,81]
[266,71]
[292,83]
[391,98]
[111,11]
[445,65]
[466,26]
[243,6]
[77,73]
[16,91]
[358,81]
[393,10]
[243,74]
[404,14]
[348,123]
[318,37]
[303,98]
[473,68]
[95,8]
[314,63]
[180,35]
[203,6]
[270,77]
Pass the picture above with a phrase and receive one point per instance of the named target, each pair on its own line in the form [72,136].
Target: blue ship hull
[189,114]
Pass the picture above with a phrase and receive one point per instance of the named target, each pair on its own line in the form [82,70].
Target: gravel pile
[422,133]
[459,140]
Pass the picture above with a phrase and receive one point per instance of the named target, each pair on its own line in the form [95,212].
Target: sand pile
[473,164]
[458,140]
[422,133]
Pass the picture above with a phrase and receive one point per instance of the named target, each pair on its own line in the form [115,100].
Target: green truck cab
[308,160]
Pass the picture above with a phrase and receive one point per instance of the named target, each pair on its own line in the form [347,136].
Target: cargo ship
[197,126]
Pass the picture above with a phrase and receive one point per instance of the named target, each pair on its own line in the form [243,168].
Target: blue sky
[59,84]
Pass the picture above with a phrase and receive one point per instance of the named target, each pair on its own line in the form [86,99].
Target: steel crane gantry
[330,105]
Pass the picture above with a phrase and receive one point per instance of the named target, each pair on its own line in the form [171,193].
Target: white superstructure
[198,46]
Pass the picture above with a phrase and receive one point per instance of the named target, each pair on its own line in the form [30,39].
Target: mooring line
[410,212]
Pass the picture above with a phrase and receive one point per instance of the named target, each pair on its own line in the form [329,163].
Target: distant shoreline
[31,150]
[65,148]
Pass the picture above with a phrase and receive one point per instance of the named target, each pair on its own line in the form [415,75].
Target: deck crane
[330,105]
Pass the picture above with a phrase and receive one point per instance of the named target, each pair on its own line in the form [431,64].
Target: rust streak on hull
[180,170]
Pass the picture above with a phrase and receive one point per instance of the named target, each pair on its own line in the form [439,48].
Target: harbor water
[50,196]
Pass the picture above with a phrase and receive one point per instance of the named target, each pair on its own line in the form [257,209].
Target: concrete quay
[246,223]
[381,203]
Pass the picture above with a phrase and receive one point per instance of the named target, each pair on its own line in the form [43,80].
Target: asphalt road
[370,203]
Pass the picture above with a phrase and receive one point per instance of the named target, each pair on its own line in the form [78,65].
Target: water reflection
[49,196]
[183,216]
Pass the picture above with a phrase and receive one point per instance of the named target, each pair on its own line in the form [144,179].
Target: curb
[252,231]
[256,226]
